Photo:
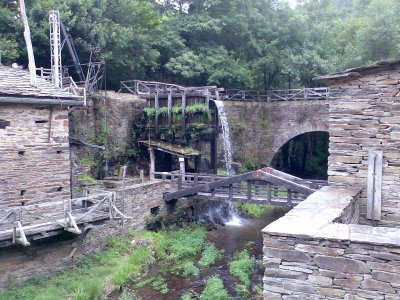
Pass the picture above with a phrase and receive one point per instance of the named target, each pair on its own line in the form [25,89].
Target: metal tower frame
[55,48]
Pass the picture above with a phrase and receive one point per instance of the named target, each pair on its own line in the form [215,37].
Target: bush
[242,268]
[189,269]
[210,256]
[214,290]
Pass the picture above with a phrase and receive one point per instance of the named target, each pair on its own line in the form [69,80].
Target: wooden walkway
[149,89]
[23,224]
[264,186]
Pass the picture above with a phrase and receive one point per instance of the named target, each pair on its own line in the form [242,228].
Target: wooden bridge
[150,89]
[264,186]
[23,224]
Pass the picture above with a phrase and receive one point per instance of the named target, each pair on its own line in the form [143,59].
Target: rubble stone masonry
[367,116]
[34,154]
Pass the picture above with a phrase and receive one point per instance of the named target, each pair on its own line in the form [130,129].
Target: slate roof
[357,72]
[15,82]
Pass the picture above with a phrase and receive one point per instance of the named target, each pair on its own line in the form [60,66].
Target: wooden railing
[140,87]
[320,93]
[17,224]
[265,186]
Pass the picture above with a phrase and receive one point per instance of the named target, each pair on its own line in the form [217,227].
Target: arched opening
[305,156]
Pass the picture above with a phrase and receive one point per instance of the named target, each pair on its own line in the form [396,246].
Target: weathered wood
[152,163]
[157,108]
[374,186]
[286,183]
[28,41]
[169,109]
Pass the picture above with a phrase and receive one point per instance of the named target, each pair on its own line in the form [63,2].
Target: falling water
[225,136]
[233,218]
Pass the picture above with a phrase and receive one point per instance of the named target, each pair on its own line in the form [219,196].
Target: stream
[231,238]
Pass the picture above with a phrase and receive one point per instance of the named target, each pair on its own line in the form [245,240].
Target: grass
[209,256]
[241,267]
[214,290]
[255,210]
[118,263]
[86,179]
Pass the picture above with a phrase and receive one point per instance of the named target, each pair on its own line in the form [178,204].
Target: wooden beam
[170,108]
[283,182]
[374,185]
[157,108]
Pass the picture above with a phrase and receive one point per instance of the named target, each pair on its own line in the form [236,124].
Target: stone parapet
[315,252]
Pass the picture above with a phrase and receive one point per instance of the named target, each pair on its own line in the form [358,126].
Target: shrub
[150,112]
[214,290]
[189,269]
[210,256]
[242,268]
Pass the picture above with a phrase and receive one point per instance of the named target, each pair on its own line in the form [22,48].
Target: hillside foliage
[258,44]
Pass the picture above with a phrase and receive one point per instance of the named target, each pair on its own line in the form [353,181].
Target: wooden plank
[374,185]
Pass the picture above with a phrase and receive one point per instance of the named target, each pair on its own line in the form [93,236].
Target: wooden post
[123,189]
[374,186]
[182,165]
[28,41]
[248,190]
[230,192]
[207,98]
[183,110]
[170,108]
[257,187]
[152,163]
[157,107]
[289,197]
[142,176]
[269,191]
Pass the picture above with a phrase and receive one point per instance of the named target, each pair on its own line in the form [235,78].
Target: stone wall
[314,252]
[44,257]
[109,119]
[367,116]
[34,154]
[259,129]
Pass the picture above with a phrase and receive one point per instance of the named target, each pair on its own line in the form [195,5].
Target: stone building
[328,246]
[366,117]
[34,146]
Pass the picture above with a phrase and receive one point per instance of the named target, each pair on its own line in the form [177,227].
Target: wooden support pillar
[152,163]
[374,186]
[207,98]
[183,111]
[182,165]
[289,197]
[269,191]
[142,176]
[213,154]
[157,107]
[170,108]
[248,190]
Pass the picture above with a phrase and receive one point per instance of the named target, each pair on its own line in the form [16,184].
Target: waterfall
[225,136]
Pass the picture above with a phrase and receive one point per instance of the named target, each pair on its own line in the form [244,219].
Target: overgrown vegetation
[209,256]
[242,268]
[119,263]
[214,290]
[255,210]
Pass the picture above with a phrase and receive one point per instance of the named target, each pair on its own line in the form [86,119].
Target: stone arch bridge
[258,129]
[260,122]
